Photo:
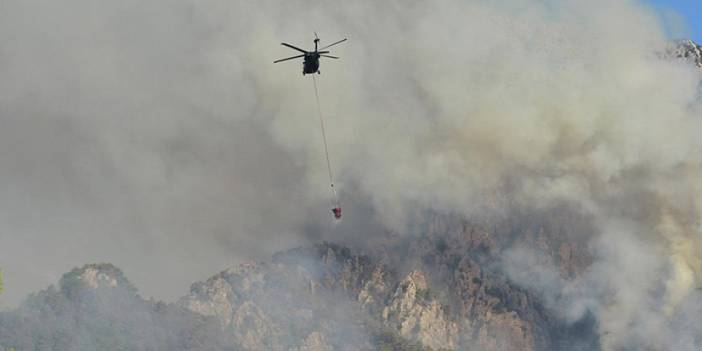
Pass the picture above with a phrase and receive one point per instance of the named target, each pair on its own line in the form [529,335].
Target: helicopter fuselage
[311,63]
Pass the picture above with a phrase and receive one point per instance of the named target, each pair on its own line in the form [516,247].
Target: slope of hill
[687,50]
[443,290]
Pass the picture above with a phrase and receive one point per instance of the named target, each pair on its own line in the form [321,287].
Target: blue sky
[675,12]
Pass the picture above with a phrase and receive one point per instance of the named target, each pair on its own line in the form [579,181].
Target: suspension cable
[324,137]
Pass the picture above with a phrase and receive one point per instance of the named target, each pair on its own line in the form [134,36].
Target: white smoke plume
[159,135]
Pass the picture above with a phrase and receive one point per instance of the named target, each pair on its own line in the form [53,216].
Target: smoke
[160,137]
[132,133]
[474,106]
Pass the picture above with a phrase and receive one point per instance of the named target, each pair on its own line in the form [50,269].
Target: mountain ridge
[438,291]
[687,50]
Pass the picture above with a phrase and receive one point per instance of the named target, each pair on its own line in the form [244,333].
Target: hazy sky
[688,11]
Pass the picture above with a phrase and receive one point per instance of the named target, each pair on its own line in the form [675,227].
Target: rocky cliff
[442,290]
[687,50]
[96,308]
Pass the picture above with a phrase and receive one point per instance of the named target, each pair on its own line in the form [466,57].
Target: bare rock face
[374,289]
[415,313]
[442,289]
[688,51]
[216,304]
[293,303]
[96,308]
[253,329]
[316,341]
[93,277]
[439,291]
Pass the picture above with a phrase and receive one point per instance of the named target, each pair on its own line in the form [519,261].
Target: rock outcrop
[442,290]
[687,50]
[417,315]
[292,303]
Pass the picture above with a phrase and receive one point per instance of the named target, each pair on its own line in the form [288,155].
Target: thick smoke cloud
[160,137]
[134,133]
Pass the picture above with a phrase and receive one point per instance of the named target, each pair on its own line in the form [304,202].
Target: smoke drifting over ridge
[159,136]
[474,107]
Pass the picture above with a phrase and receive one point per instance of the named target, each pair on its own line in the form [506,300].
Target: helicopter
[311,62]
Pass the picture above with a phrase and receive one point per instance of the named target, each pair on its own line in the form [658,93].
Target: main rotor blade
[332,44]
[322,52]
[293,47]
[329,56]
[289,58]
